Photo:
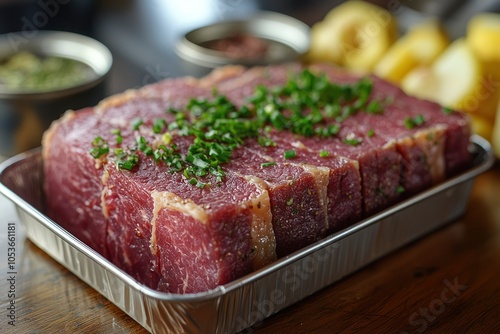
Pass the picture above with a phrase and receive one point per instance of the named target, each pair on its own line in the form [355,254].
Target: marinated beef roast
[188,183]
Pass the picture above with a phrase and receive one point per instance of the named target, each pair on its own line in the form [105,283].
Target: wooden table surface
[446,282]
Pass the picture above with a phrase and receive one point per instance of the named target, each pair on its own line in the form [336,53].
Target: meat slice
[297,196]
[72,184]
[199,238]
[341,176]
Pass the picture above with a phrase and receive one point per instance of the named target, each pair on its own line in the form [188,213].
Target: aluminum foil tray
[246,301]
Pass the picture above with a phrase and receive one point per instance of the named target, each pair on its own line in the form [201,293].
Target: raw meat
[176,237]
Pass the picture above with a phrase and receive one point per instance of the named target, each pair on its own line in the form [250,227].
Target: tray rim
[480,144]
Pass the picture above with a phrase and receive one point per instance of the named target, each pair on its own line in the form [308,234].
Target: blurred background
[141,33]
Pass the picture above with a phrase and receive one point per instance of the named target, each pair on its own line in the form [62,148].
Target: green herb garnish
[136,123]
[128,162]
[447,110]
[170,157]
[352,140]
[374,107]
[99,148]
[159,125]
[308,104]
[290,154]
[118,135]
[410,123]
[324,154]
[268,164]
[328,131]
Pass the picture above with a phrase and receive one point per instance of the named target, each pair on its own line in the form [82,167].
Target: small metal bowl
[24,114]
[288,39]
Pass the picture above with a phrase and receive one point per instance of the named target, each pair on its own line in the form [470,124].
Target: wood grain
[446,282]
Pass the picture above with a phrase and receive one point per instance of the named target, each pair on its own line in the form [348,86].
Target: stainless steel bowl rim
[188,47]
[39,44]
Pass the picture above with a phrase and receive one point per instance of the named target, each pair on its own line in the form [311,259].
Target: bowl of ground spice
[42,75]
[261,39]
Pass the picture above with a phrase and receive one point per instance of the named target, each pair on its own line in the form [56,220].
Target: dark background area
[141,33]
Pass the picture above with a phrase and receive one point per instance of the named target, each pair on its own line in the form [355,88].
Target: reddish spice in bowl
[240,46]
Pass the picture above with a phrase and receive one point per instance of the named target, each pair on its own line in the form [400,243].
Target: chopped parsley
[308,104]
[159,125]
[352,140]
[143,145]
[268,164]
[136,123]
[447,110]
[99,148]
[118,135]
[126,160]
[374,107]
[169,156]
[411,123]
[290,154]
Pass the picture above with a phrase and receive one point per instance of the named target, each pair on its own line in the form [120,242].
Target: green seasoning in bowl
[28,72]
